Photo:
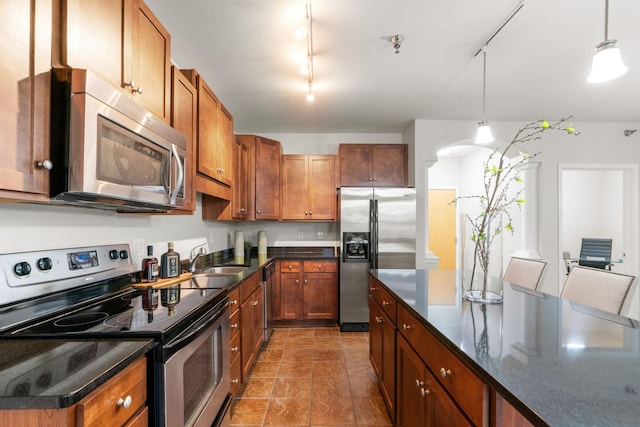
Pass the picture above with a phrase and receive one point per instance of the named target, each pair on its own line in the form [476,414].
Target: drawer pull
[254,303]
[234,326]
[444,373]
[233,302]
[235,381]
[297,281]
[406,327]
[306,281]
[125,403]
[385,303]
[424,391]
[378,319]
[319,266]
[235,349]
[419,383]
[373,289]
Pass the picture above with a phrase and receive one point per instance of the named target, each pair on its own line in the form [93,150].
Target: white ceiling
[536,66]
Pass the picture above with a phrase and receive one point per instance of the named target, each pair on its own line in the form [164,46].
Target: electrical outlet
[138,248]
[319,235]
[300,235]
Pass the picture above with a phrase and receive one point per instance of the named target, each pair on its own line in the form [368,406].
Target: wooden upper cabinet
[25,82]
[373,165]
[215,144]
[308,187]
[124,43]
[184,115]
[244,157]
[268,168]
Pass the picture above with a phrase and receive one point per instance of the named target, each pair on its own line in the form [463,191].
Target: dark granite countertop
[57,373]
[556,365]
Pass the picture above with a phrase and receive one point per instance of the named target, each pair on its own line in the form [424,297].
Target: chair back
[595,253]
[524,272]
[597,288]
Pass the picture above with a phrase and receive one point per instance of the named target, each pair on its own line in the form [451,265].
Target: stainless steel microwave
[108,151]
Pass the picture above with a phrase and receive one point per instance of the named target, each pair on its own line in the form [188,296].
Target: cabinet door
[295,187]
[25,90]
[226,141]
[267,183]
[320,296]
[375,337]
[355,165]
[184,115]
[389,165]
[388,371]
[258,319]
[291,296]
[411,409]
[146,59]
[321,181]
[246,331]
[208,110]
[443,410]
[240,200]
[93,38]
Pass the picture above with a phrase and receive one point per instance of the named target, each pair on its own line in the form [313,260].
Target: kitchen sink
[225,270]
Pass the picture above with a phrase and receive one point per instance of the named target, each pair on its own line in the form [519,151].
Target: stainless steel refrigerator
[377,230]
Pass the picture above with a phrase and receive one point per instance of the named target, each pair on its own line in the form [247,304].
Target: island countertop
[558,366]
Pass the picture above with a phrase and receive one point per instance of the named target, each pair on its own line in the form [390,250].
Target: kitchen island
[541,362]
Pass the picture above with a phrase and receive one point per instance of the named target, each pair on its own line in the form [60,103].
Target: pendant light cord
[484,82]
[606,20]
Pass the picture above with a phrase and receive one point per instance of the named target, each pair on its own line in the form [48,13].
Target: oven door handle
[193,332]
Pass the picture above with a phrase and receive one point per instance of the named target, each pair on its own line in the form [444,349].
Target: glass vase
[479,285]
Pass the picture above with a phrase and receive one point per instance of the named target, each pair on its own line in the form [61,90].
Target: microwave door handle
[180,180]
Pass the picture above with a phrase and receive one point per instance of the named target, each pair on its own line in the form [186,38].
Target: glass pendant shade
[484,135]
[607,63]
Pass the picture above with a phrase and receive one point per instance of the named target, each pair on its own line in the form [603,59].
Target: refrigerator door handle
[373,233]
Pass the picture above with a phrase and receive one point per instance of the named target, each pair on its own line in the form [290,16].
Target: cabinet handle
[132,86]
[406,327]
[373,289]
[385,303]
[310,213]
[258,211]
[125,403]
[233,302]
[305,281]
[234,326]
[424,391]
[419,383]
[254,303]
[235,381]
[444,373]
[297,281]
[45,164]
[378,319]
[235,349]
[319,266]
[242,210]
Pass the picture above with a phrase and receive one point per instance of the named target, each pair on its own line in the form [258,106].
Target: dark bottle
[170,263]
[150,267]
[149,302]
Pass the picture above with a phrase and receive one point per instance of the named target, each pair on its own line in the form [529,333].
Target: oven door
[196,373]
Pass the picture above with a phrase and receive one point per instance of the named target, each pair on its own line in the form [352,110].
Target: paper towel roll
[262,242]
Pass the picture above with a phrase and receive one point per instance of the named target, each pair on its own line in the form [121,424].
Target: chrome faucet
[195,255]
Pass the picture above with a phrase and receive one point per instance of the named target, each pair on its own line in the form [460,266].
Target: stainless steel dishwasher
[267,278]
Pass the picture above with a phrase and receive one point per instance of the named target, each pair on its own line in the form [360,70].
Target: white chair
[597,288]
[524,275]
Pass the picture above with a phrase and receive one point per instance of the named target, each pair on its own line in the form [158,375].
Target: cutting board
[163,283]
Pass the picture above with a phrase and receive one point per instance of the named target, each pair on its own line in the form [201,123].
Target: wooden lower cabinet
[421,400]
[306,291]
[100,407]
[251,321]
[382,344]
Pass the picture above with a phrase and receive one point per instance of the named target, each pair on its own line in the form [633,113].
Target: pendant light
[607,62]
[484,135]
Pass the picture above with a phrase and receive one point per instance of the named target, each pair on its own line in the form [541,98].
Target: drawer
[469,392]
[384,299]
[234,324]
[290,266]
[234,300]
[320,266]
[236,373]
[103,403]
[139,420]
[249,286]
[234,347]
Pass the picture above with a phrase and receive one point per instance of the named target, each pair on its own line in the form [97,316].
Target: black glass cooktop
[144,312]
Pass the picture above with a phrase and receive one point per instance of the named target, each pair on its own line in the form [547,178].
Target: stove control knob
[22,269]
[45,264]
[124,254]
[113,254]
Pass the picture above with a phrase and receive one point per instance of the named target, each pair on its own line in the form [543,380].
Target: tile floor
[311,377]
